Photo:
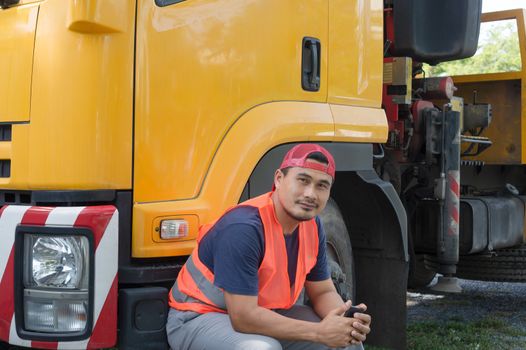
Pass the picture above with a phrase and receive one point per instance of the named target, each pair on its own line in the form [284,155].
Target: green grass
[488,333]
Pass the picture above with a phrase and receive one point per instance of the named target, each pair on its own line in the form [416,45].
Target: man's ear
[278,177]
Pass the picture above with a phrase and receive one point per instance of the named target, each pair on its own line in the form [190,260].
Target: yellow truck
[125,125]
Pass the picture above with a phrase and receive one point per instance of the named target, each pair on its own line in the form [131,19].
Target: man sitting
[239,288]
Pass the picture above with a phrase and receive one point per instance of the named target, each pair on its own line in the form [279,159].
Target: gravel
[478,300]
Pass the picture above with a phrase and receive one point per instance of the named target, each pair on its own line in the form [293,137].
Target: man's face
[302,193]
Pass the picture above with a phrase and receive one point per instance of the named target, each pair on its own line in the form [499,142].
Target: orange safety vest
[194,289]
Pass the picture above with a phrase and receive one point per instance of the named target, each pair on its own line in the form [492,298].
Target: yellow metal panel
[501,15]
[80,134]
[505,128]
[249,139]
[145,241]
[244,145]
[97,16]
[202,64]
[473,78]
[359,124]
[521,29]
[17,35]
[5,150]
[356,52]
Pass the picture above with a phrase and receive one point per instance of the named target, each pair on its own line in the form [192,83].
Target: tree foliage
[498,51]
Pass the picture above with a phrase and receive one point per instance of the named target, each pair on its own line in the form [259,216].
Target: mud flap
[378,228]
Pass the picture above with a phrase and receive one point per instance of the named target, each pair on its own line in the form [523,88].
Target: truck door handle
[310,66]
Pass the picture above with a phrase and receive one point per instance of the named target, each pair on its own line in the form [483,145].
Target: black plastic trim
[19,289]
[73,196]
[140,271]
[6,132]
[143,329]
[62,198]
[6,3]
[163,3]
[5,168]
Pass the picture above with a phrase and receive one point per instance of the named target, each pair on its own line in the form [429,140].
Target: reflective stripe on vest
[213,293]
[194,289]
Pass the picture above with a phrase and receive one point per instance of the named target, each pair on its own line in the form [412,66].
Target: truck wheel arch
[374,211]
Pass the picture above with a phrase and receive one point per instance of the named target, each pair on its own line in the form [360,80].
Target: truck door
[200,64]
[355,52]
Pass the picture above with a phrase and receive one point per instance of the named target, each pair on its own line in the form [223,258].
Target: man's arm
[247,317]
[324,298]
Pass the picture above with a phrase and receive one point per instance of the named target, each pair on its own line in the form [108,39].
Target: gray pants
[213,331]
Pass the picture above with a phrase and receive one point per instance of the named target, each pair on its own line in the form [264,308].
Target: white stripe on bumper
[11,217]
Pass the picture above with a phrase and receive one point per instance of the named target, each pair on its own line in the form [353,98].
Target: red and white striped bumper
[103,222]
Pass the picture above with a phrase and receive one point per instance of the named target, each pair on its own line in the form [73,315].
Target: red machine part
[391,108]
[439,88]
[396,126]
[389,25]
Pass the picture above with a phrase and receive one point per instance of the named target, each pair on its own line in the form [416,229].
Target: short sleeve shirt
[234,247]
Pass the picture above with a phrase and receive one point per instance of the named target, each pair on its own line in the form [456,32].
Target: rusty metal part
[476,116]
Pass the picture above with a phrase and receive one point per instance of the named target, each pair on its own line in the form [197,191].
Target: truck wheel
[339,250]
[506,265]
[419,275]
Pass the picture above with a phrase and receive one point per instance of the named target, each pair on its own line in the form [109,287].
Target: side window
[162,3]
[498,51]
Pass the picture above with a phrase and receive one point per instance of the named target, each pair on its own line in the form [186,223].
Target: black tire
[419,276]
[506,265]
[339,250]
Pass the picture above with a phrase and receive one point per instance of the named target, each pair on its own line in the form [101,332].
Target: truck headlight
[56,261]
[55,275]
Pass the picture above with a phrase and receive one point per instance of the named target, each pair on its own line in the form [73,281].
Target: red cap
[297,157]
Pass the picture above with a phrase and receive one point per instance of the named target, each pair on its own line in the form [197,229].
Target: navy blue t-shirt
[234,248]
